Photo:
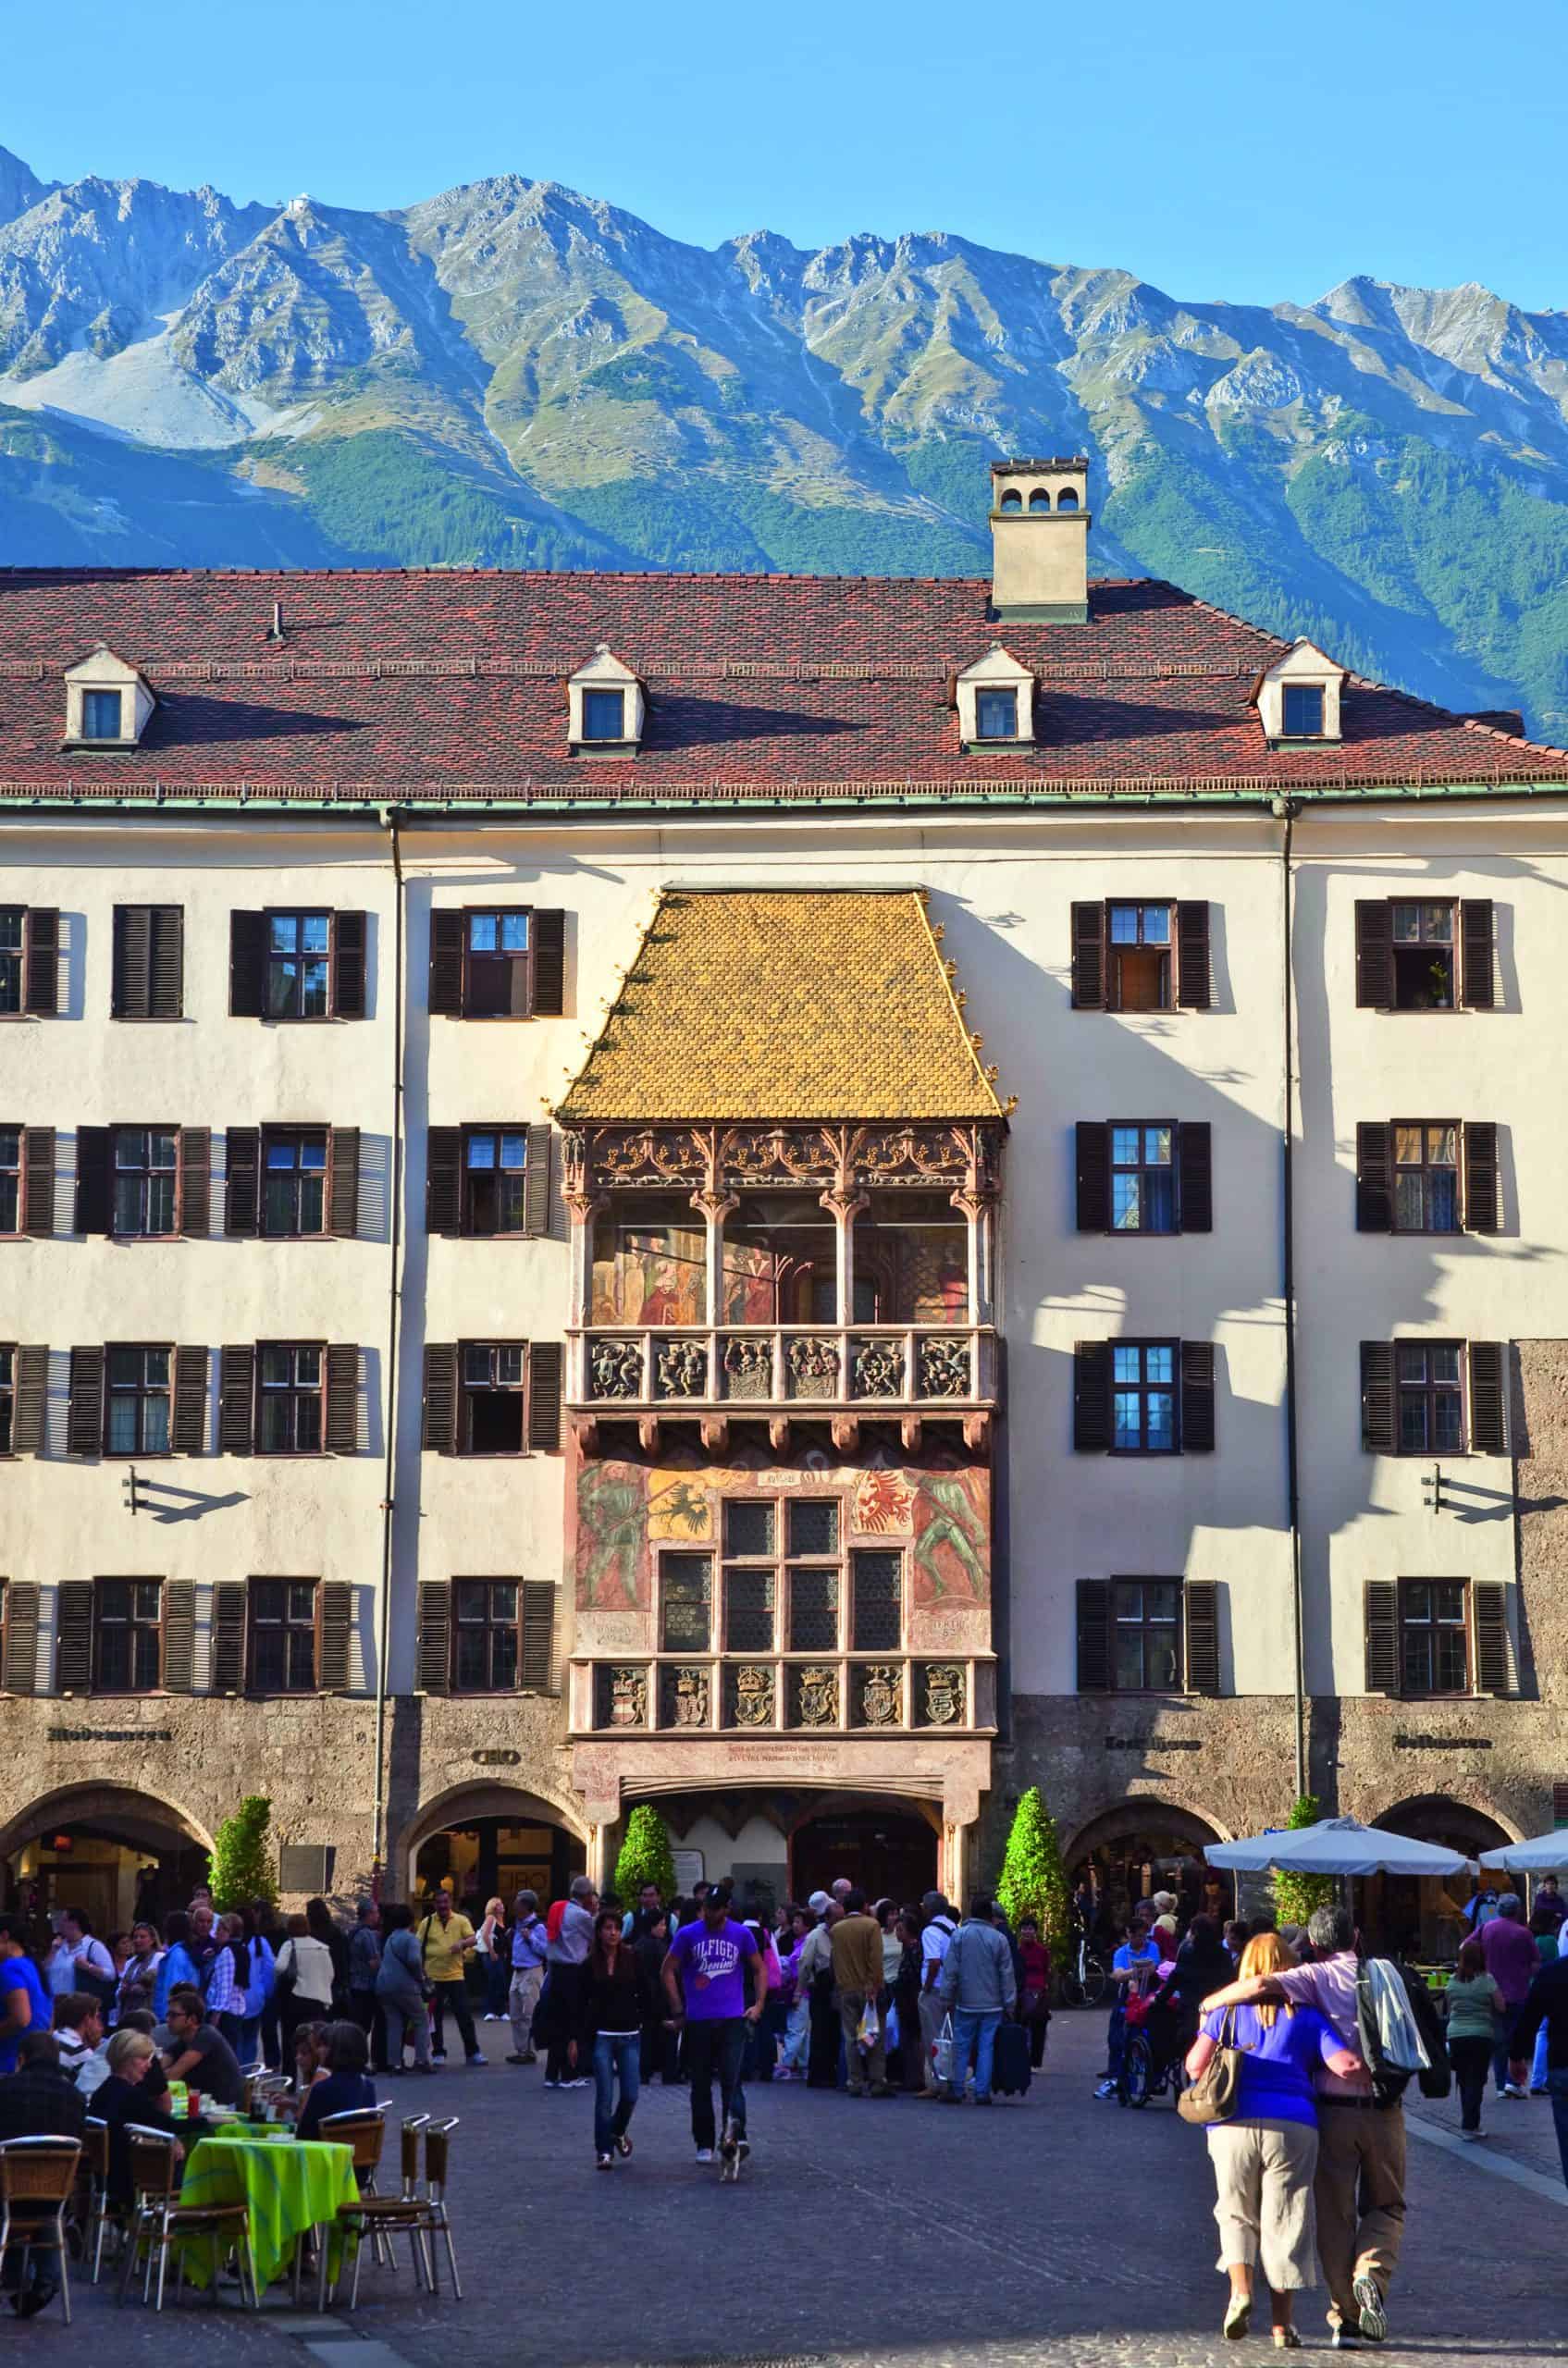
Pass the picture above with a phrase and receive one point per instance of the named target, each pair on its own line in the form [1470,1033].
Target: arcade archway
[113,1852]
[489,1841]
[1424,1915]
[887,1847]
[1138,1847]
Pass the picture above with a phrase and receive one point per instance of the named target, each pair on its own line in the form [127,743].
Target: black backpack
[1389,2081]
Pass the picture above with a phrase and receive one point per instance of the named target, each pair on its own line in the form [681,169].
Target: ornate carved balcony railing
[628,1369]
[685,1695]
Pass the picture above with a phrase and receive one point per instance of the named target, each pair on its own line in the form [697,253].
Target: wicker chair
[424,2216]
[95,2163]
[37,2177]
[157,2218]
[364,2129]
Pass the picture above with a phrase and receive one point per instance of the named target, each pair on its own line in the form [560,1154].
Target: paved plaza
[1058,2232]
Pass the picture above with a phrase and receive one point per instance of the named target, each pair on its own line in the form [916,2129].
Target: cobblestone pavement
[1059,2232]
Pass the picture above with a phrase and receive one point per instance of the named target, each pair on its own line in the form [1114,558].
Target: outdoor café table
[290,2186]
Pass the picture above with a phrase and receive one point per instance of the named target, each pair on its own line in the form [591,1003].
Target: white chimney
[1040,539]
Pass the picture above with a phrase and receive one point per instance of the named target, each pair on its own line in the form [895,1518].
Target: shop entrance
[488,1842]
[1137,1849]
[888,1851]
[116,1855]
[1422,1916]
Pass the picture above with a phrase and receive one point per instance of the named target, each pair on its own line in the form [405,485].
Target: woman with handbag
[403,1988]
[1251,2072]
[1034,1988]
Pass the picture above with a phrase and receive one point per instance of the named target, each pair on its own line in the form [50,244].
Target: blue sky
[1224,150]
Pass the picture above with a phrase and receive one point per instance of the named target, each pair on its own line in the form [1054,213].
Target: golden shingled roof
[784,1003]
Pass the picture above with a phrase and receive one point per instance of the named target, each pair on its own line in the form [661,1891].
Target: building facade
[814,1199]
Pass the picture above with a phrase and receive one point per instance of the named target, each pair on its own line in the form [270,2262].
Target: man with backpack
[445,1942]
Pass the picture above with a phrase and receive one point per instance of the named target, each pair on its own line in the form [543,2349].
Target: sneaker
[1369,2302]
[705,2153]
[553,2084]
[527,2056]
[622,2145]
[478,2059]
[520,2059]
[1509,2089]
[489,2018]
[1471,2136]
[437,2055]
[605,2162]
[1341,2339]
[1106,2089]
[582,2081]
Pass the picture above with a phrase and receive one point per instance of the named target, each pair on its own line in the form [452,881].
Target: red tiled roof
[426,683]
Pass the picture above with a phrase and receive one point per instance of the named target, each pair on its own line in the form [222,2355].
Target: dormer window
[996,715]
[1304,711]
[604,715]
[107,702]
[101,714]
[604,707]
[996,702]
[1298,697]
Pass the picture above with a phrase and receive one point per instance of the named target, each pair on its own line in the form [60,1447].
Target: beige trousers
[1359,2192]
[1263,2172]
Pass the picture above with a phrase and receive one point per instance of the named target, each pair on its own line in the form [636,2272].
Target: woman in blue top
[1264,2156]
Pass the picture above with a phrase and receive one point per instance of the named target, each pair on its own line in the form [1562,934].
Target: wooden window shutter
[229,1637]
[1381,1623]
[130,994]
[1478,989]
[189,1431]
[1200,1603]
[94,1204]
[1490,1603]
[247,965]
[73,1636]
[445,965]
[1089,957]
[1374,954]
[179,1635]
[1489,1412]
[1374,1179]
[21,1673]
[1093,1637]
[241,1203]
[40,980]
[236,1398]
[38,1179]
[1379,1434]
[549,964]
[342,1182]
[195,1182]
[439,1429]
[538,1636]
[544,1395]
[350,937]
[1192,954]
[1093,1176]
[1194,1175]
[84,1418]
[168,963]
[335,1602]
[1482,1198]
[1092,1397]
[433,1669]
[443,1179]
[536,1182]
[342,1398]
[29,1430]
[1197,1397]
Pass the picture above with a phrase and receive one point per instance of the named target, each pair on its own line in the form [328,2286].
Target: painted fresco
[650,1273]
[613,1572]
[950,1563]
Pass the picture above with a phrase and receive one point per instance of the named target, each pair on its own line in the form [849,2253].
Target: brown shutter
[350,937]
[189,1431]
[247,965]
[536,1182]
[445,965]
[538,1636]
[438,1430]
[242,1198]
[179,1635]
[1491,1637]
[236,1398]
[20,1674]
[1379,1433]
[228,1638]
[1194,1174]
[342,1398]
[544,1395]
[1482,1198]
[1477,991]
[443,1179]
[29,1427]
[1089,957]
[1489,1414]
[519,980]
[1093,1176]
[1201,1602]
[1192,954]
[130,992]
[1092,1397]
[1093,1637]
[433,1672]
[84,1419]
[549,964]
[94,1203]
[195,1182]
[335,1602]
[41,988]
[167,968]
[1373,1185]
[1374,954]
[38,1179]
[1197,1397]
[73,1636]
[342,1182]
[1380,1616]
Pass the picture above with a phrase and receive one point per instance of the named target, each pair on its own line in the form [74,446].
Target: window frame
[146,1172]
[1428,1387]
[678,1550]
[1115,948]
[591,691]
[17,1169]
[1303,691]
[287,1627]
[522,1390]
[1425,1168]
[1143,1387]
[1434,1629]
[8,1384]
[132,1627]
[1143,1168]
[295,1391]
[142,1392]
[491,1627]
[269,1135]
[466,1227]
[297,914]
[1115,1623]
[983,691]
[18,955]
[471,913]
[1451,944]
[103,739]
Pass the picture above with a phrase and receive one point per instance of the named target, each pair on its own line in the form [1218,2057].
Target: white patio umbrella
[1337,1845]
[1545,1854]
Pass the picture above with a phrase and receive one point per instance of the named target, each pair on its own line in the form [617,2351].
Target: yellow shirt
[442,1943]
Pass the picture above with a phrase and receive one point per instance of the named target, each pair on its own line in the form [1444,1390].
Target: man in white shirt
[935,1937]
[78,2029]
[75,1947]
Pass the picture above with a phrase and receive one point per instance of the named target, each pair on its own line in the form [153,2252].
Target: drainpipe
[1285,809]
[386,816]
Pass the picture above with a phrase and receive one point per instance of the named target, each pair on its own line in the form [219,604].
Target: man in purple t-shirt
[705,1976]
[1514,1961]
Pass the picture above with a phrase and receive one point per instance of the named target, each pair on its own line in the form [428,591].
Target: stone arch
[143,1818]
[1012,499]
[1067,500]
[1425,1912]
[1040,500]
[1438,1817]
[471,1804]
[1139,1813]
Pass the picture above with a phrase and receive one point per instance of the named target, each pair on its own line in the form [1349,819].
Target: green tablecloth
[289,2187]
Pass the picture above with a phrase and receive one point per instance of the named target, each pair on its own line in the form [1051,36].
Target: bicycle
[1084,1978]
